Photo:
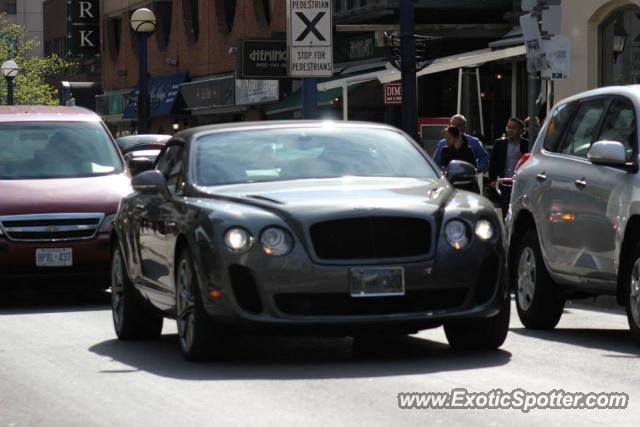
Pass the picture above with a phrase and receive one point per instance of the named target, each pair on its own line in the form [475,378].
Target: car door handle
[541,177]
[581,183]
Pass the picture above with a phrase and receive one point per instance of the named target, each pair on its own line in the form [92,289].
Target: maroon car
[61,179]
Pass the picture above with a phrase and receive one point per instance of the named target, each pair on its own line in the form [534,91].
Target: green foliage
[30,86]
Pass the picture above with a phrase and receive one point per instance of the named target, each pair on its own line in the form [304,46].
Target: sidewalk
[603,302]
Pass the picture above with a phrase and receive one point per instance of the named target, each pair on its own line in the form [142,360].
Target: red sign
[393,93]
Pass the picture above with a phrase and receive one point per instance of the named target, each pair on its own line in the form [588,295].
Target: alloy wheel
[634,293]
[117,289]
[526,278]
[185,305]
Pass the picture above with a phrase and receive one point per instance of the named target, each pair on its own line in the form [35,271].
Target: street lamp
[143,23]
[9,70]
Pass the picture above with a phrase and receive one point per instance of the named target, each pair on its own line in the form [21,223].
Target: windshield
[30,150]
[302,153]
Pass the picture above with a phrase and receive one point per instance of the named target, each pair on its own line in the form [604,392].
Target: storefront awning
[390,74]
[294,102]
[163,91]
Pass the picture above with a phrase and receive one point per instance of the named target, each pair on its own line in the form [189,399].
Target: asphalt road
[60,365]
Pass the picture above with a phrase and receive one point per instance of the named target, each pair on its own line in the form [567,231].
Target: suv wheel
[480,334]
[633,294]
[196,332]
[132,317]
[538,302]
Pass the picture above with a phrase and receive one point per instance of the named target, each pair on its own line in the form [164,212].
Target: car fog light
[456,234]
[238,240]
[276,241]
[484,229]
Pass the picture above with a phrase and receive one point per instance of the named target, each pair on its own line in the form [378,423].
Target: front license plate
[54,257]
[376,281]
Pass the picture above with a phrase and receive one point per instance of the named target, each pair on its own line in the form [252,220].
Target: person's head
[527,121]
[451,135]
[515,127]
[459,121]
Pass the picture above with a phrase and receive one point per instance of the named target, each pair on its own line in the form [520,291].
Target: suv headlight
[107,223]
[238,240]
[484,229]
[276,241]
[456,234]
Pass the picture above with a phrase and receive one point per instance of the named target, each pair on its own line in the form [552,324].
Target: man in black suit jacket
[504,157]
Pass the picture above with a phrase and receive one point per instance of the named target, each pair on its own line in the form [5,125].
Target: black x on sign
[310,22]
[311,26]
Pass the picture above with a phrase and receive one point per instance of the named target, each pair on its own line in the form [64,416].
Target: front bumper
[90,269]
[291,292]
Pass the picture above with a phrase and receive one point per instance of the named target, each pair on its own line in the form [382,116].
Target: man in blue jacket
[482,158]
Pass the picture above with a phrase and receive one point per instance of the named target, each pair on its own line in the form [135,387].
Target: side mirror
[139,164]
[461,174]
[151,182]
[611,153]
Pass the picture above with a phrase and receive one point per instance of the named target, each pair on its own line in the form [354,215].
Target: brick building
[193,53]
[194,44]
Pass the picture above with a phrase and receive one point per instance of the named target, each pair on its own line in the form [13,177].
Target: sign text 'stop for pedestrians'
[310,23]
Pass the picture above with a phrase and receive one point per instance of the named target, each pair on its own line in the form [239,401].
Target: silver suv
[574,222]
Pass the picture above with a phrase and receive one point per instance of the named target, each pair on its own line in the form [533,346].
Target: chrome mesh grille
[57,227]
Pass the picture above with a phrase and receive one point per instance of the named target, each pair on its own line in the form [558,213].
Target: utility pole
[408,68]
[530,25]
[309,98]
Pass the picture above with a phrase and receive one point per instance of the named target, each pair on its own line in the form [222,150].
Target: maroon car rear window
[40,150]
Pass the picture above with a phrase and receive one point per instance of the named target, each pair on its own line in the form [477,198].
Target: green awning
[294,101]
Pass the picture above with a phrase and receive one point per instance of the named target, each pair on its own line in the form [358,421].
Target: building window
[264,10]
[229,13]
[191,19]
[133,36]
[114,32]
[163,11]
[10,7]
[620,48]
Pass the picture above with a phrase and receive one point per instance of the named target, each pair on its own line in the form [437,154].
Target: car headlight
[107,223]
[456,234]
[276,241]
[484,229]
[238,240]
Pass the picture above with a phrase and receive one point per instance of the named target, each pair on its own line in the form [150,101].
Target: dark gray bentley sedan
[312,227]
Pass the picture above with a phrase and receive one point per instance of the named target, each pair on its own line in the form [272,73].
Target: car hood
[326,197]
[94,194]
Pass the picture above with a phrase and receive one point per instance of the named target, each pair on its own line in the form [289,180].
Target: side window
[583,128]
[620,125]
[170,165]
[557,124]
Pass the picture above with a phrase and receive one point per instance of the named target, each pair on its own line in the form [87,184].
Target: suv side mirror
[607,153]
[139,164]
[151,182]
[461,174]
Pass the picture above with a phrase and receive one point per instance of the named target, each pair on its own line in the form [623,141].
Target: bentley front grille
[371,237]
[51,227]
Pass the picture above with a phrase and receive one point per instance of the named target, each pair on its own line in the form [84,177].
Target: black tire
[538,300]
[480,334]
[198,339]
[133,319]
[632,290]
